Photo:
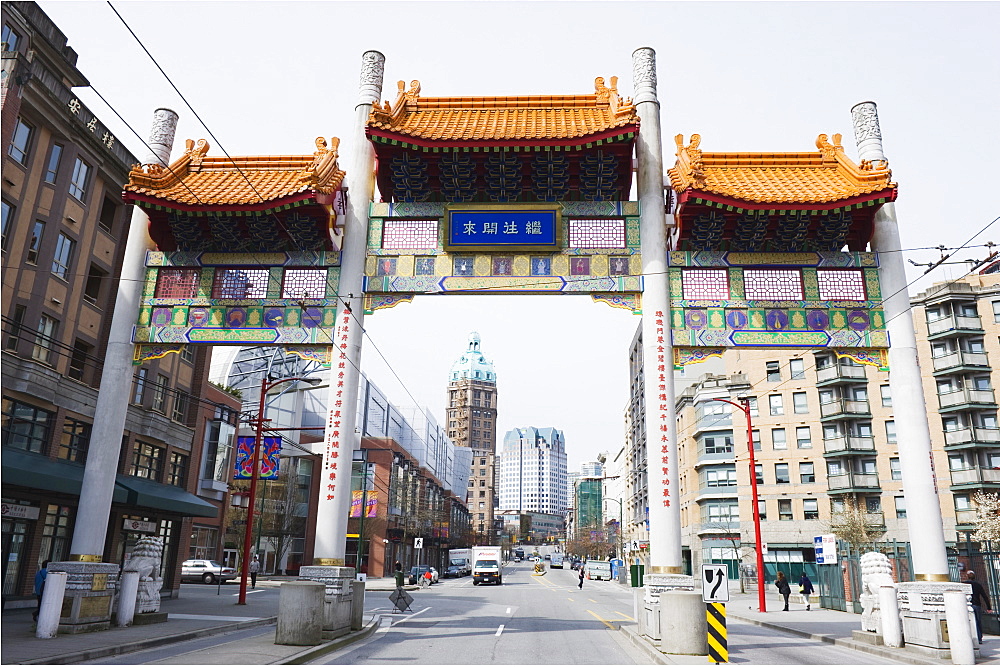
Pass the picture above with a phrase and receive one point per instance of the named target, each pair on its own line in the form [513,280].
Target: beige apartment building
[824,434]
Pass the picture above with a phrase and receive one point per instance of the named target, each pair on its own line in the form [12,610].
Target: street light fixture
[265,386]
[744,406]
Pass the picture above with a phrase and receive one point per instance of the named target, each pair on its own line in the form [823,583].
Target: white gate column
[927,545]
[341,438]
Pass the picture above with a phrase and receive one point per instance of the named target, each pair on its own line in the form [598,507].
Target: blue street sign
[493,228]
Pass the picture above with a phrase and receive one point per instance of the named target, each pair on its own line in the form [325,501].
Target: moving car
[454,571]
[208,571]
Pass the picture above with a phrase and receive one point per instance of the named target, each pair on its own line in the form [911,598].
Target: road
[549,620]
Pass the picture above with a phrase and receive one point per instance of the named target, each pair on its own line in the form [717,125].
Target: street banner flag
[268,457]
[371,500]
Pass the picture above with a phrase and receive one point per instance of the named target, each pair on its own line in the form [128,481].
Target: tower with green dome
[472,419]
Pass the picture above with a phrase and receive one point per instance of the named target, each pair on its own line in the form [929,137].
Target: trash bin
[399,579]
[636,573]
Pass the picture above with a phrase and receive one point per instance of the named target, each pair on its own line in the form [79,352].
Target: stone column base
[90,590]
[339,594]
[921,605]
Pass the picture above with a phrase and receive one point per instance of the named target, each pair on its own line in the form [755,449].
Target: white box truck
[487,565]
[462,558]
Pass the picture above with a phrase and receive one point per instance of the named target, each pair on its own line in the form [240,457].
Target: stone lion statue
[145,559]
[876,571]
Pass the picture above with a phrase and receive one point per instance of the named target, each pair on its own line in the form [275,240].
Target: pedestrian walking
[980,599]
[254,569]
[40,577]
[805,589]
[783,588]
[581,576]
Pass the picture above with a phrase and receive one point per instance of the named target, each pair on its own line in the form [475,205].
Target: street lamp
[744,406]
[265,386]
[621,534]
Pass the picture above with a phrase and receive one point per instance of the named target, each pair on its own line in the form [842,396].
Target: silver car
[208,571]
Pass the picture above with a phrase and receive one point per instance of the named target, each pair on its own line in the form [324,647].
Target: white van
[599,569]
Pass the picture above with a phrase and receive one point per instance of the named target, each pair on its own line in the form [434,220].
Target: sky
[267,78]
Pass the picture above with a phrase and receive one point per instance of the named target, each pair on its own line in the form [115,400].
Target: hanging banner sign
[268,457]
[10,510]
[370,499]
[509,227]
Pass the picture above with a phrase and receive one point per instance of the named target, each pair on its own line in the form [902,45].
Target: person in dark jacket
[805,589]
[581,576]
[980,599]
[40,577]
[783,588]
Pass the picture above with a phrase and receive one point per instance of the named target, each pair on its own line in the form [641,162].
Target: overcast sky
[269,77]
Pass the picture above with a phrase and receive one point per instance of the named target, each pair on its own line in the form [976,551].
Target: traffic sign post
[715,593]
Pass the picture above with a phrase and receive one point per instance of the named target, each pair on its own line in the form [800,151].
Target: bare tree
[856,526]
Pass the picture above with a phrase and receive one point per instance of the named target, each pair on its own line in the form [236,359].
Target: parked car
[207,571]
[454,571]
[418,571]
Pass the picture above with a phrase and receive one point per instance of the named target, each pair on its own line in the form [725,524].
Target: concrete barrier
[300,613]
[52,599]
[683,626]
[357,605]
[128,589]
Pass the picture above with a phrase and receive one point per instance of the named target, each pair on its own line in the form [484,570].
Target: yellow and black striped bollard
[718,650]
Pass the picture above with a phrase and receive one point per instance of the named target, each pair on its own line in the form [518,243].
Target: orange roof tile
[528,118]
[825,176]
[198,180]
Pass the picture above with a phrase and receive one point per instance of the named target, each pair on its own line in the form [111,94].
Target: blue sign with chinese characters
[488,228]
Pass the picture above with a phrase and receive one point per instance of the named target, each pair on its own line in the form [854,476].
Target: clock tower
[472,419]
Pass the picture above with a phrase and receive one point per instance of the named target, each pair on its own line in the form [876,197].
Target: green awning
[20,468]
[38,472]
[147,493]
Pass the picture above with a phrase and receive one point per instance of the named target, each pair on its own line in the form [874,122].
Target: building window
[21,141]
[810,509]
[773,372]
[762,509]
[758,471]
[160,393]
[890,432]
[482,482]
[807,472]
[886,396]
[55,534]
[900,507]
[109,212]
[218,444]
[43,339]
[797,369]
[63,256]
[8,215]
[781,475]
[14,335]
[996,311]
[719,445]
[147,461]
[785,510]
[800,403]
[25,426]
[78,361]
[803,437]
[34,243]
[140,386]
[776,405]
[10,38]
[894,469]
[75,441]
[79,182]
[95,279]
[181,403]
[778,439]
[177,472]
[52,169]
[720,477]
[187,353]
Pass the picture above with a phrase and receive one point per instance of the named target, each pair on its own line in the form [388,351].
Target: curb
[314,652]
[902,656]
[143,644]
[638,642]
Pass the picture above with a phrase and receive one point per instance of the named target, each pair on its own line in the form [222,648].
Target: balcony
[872,520]
[954,325]
[966,398]
[846,445]
[852,482]
[719,528]
[843,408]
[839,373]
[973,436]
[965,518]
[964,478]
[959,359]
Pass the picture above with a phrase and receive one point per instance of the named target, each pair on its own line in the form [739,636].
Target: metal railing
[960,358]
[844,406]
[972,434]
[975,475]
[839,372]
[852,480]
[849,443]
[952,323]
[966,395]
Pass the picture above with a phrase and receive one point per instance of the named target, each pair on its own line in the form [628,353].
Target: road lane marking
[397,621]
[508,610]
[625,616]
[249,592]
[600,619]
[592,600]
[570,599]
[499,630]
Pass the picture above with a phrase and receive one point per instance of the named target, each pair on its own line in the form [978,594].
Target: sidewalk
[190,617]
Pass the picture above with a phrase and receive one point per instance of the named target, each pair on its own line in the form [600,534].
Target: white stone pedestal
[300,613]
[921,605]
[338,599]
[90,588]
[672,614]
